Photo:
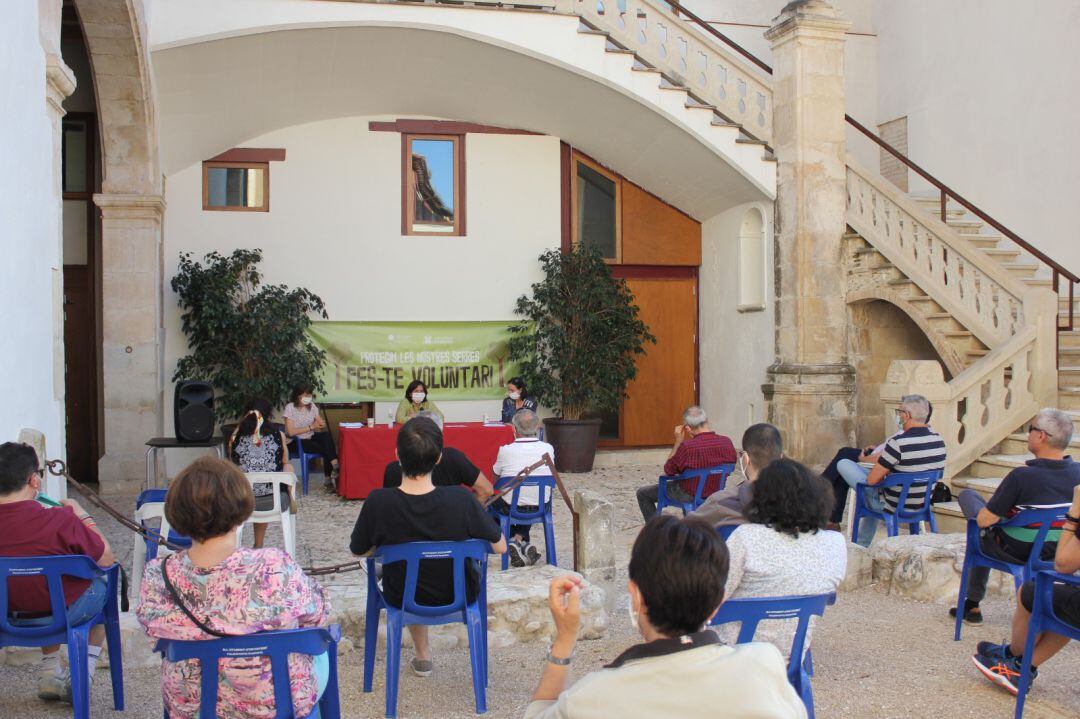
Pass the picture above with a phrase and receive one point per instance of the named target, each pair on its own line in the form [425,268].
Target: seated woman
[415,401]
[677,573]
[785,550]
[419,511]
[257,445]
[517,398]
[228,590]
[302,421]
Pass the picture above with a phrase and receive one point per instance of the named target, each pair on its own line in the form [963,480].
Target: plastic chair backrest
[150,505]
[752,610]
[52,570]
[278,479]
[276,645]
[413,552]
[705,474]
[545,485]
[907,480]
[1045,517]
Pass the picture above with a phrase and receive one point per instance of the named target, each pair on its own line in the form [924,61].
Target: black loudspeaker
[193,411]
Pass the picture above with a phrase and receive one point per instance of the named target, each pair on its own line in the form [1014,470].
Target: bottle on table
[390,418]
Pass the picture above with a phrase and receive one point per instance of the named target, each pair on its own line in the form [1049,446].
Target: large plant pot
[574,441]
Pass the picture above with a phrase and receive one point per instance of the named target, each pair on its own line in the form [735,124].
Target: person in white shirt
[525,450]
[677,572]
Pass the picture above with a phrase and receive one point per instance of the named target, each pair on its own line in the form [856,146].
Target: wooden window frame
[578,158]
[408,197]
[212,164]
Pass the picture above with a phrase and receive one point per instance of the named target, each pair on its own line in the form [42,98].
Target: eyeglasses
[1033,428]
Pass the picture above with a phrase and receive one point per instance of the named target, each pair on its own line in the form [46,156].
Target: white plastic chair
[146,513]
[276,514]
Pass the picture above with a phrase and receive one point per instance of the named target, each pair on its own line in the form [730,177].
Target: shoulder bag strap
[183,607]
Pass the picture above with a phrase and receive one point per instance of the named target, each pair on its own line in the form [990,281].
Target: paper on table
[494,424]
[351,425]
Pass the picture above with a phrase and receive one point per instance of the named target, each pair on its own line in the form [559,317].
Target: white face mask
[899,422]
[307,399]
[632,613]
[514,396]
[418,397]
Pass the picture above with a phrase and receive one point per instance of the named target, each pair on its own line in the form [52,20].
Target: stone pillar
[132,354]
[810,389]
[594,555]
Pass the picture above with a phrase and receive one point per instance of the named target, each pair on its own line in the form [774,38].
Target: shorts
[266,502]
[1066,601]
[89,603]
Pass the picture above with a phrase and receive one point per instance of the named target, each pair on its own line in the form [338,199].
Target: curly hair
[791,499]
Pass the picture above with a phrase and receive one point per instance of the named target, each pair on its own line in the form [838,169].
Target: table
[216,442]
[364,452]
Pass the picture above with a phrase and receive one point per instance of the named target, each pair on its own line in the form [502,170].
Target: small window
[236,186]
[434,193]
[75,154]
[752,261]
[596,199]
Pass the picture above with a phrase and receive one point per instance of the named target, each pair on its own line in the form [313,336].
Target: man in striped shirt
[917,449]
[696,447]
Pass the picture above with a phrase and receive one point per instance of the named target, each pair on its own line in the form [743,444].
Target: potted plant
[245,338]
[576,345]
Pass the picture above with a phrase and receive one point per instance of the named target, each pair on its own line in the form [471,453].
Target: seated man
[419,511]
[696,446]
[1046,481]
[677,572]
[916,449]
[453,469]
[1000,663]
[32,530]
[525,450]
[761,446]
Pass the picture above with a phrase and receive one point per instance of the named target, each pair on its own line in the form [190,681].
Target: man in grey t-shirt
[761,446]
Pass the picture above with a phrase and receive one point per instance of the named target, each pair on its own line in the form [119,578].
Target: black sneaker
[994,651]
[972,616]
[532,554]
[517,554]
[1003,672]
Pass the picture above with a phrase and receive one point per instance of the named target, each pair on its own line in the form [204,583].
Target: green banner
[375,361]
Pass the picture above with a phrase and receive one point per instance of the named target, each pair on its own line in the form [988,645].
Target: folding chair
[545,486]
[55,628]
[472,613]
[704,476]
[1043,619]
[751,611]
[903,515]
[974,557]
[276,646]
[275,513]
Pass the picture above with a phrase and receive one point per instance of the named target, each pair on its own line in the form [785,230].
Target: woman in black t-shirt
[419,511]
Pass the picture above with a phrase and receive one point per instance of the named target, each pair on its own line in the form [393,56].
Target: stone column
[595,542]
[131,332]
[810,389]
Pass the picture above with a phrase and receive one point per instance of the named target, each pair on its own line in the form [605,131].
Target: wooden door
[80,375]
[667,374]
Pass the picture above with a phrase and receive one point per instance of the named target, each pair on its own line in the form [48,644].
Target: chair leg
[288,534]
[477,652]
[371,640]
[304,473]
[962,596]
[138,562]
[549,539]
[330,704]
[856,518]
[393,659]
[504,524]
[78,640]
[1025,665]
[116,653]
[932,522]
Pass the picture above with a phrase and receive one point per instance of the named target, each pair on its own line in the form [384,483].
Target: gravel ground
[875,655]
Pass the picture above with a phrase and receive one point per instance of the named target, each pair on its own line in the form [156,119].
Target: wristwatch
[559,661]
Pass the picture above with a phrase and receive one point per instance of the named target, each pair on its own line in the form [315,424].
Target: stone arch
[131,208]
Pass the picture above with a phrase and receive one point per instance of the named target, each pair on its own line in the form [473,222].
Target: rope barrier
[58,468]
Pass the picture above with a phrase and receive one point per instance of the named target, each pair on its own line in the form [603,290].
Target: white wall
[989,88]
[29,232]
[736,347]
[334,227]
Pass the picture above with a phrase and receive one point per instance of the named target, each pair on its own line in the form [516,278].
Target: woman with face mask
[416,400]
[303,422]
[516,399]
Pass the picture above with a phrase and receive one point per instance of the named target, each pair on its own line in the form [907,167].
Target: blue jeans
[89,603]
[852,473]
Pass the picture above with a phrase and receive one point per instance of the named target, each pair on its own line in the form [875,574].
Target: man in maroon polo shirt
[696,446]
[33,530]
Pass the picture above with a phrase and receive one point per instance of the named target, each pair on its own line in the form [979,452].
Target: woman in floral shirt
[232,591]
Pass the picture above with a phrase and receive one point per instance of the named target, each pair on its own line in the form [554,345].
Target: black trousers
[321,444]
[840,487]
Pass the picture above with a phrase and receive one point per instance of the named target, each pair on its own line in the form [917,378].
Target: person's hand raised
[564,601]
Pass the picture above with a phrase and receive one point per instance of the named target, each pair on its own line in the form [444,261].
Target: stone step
[998,465]
[1017,443]
[966,227]
[1070,339]
[1069,399]
[984,242]
[1020,269]
[1075,415]
[1001,255]
[985,486]
[933,206]
[1068,376]
[949,518]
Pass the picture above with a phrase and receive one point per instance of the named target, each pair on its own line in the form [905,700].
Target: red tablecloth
[364,452]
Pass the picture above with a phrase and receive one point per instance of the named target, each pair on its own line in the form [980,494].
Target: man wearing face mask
[916,449]
[678,568]
[761,446]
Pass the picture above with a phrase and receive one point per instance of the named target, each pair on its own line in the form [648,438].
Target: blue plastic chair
[473,614]
[305,459]
[702,476]
[752,611]
[58,631]
[1043,619]
[911,517]
[542,515]
[974,557]
[277,646]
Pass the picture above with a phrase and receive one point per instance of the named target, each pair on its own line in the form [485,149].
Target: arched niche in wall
[752,259]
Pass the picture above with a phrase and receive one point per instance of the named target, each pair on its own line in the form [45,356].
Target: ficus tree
[245,338]
[579,335]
